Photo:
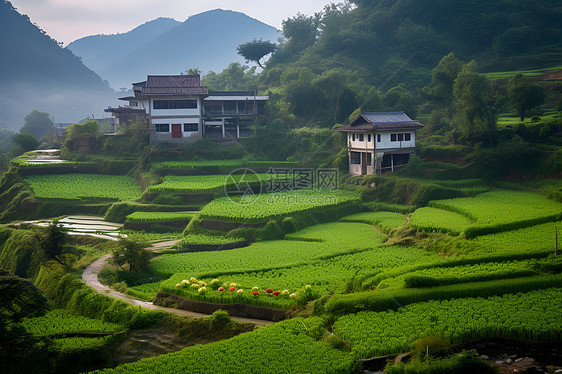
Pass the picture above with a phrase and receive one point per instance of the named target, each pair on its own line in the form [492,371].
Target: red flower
[269,290]
[255,293]
[232,288]
[275,293]
[221,288]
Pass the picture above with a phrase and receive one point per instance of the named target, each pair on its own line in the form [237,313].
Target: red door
[176,131]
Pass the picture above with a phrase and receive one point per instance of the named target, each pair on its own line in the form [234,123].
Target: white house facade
[378,142]
[180,110]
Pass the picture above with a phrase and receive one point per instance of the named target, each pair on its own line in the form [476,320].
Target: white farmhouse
[180,110]
[378,142]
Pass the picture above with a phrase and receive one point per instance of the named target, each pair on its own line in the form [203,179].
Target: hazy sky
[68,20]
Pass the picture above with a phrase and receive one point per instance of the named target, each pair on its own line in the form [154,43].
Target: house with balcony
[379,142]
[180,110]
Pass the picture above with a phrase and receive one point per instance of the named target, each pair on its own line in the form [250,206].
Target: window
[400,137]
[353,137]
[393,137]
[369,137]
[407,137]
[190,127]
[162,128]
[369,159]
[355,158]
[378,138]
[174,104]
[361,137]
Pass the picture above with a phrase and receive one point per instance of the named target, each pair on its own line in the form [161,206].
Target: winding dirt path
[90,277]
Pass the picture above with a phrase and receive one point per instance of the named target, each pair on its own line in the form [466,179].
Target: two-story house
[180,110]
[378,142]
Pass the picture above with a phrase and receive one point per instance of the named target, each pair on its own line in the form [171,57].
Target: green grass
[321,242]
[323,275]
[440,276]
[324,256]
[159,216]
[285,347]
[501,206]
[534,239]
[143,236]
[531,316]
[74,344]
[510,74]
[84,186]
[59,322]
[196,164]
[386,221]
[202,239]
[438,220]
[264,207]
[206,183]
[504,120]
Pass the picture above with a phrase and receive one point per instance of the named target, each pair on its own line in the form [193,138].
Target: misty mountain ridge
[206,40]
[36,73]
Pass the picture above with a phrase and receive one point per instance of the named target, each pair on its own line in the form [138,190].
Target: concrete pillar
[223,130]
[237,131]
[392,162]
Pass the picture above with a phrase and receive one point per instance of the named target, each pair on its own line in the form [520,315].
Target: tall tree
[524,94]
[131,253]
[37,123]
[443,77]
[256,50]
[52,241]
[300,31]
[473,117]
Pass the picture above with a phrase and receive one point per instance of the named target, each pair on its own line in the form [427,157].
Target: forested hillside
[36,73]
[427,59]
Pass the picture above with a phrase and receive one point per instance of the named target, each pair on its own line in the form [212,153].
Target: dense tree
[132,253]
[27,141]
[300,31]
[443,76]
[473,117]
[19,298]
[52,242]
[193,71]
[37,123]
[256,50]
[235,77]
[524,94]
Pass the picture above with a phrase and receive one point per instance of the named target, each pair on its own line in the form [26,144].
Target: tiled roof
[381,121]
[174,85]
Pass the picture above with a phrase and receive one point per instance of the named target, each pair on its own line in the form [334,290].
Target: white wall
[385,142]
[358,144]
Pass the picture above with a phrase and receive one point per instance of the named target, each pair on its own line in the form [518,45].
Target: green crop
[386,221]
[276,205]
[84,186]
[499,207]
[534,315]
[60,322]
[159,216]
[438,220]
[68,345]
[285,347]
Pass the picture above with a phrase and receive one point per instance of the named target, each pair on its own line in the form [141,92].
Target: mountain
[36,73]
[99,51]
[207,40]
